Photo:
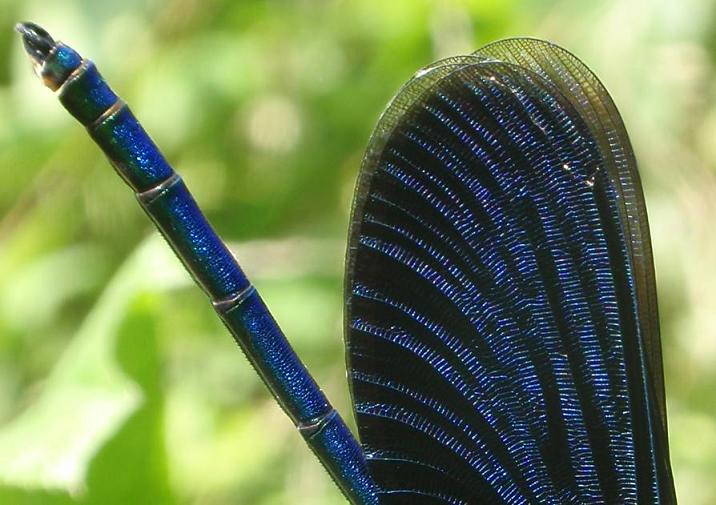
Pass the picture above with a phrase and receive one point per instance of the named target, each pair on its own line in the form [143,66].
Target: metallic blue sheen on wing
[584,91]
[499,347]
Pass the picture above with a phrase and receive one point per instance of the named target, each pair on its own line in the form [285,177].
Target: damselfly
[501,326]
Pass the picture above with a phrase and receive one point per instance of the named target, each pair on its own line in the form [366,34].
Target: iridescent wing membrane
[502,331]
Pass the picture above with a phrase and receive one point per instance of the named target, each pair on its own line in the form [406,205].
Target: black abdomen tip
[38,43]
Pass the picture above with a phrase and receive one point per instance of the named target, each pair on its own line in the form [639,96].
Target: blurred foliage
[118,385]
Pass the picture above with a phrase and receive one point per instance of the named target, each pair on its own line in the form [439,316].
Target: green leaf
[89,396]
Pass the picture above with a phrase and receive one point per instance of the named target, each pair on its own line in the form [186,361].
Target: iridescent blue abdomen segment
[56,70]
[260,337]
[177,215]
[500,329]
[86,95]
[168,202]
[129,148]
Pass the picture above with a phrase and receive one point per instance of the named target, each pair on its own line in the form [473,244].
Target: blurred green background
[118,385]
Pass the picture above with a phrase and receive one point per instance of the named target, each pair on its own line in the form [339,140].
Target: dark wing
[587,94]
[501,320]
